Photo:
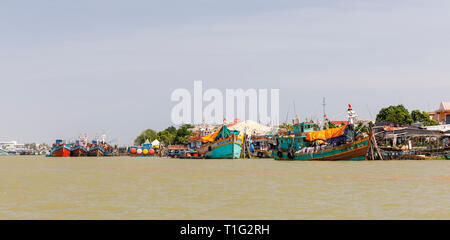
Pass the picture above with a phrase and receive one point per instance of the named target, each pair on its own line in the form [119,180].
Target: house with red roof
[340,122]
[442,115]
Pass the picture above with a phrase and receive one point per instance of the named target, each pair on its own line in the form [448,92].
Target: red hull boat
[61,151]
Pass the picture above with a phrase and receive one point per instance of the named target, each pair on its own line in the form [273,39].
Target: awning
[325,134]
[155,142]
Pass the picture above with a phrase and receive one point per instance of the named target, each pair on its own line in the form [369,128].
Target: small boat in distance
[60,149]
[259,146]
[110,150]
[222,144]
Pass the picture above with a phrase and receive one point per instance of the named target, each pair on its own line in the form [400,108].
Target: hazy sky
[70,67]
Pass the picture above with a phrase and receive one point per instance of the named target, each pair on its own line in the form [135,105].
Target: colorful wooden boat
[145,150]
[60,149]
[331,144]
[78,151]
[110,152]
[222,144]
[355,150]
[176,151]
[95,149]
[259,146]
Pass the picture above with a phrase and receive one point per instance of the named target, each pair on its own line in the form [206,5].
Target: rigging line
[370,113]
[295,112]
[287,114]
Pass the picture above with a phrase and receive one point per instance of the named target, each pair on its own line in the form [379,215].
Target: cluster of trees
[399,114]
[170,135]
[286,126]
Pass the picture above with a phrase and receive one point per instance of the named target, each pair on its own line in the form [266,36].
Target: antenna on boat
[295,112]
[324,114]
[370,113]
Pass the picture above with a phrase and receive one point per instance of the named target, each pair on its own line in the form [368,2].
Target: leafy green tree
[170,135]
[183,133]
[361,128]
[395,114]
[148,134]
[286,126]
[171,130]
[316,127]
[166,137]
[423,117]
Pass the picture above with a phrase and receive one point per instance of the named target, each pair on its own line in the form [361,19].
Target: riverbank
[35,187]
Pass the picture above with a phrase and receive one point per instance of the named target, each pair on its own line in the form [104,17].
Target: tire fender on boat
[290,155]
[280,154]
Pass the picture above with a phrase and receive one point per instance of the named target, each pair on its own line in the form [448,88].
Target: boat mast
[352,116]
[324,114]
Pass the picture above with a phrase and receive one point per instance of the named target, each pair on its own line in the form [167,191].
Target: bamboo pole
[371,149]
[376,147]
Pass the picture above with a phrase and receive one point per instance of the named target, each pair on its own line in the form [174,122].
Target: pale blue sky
[69,67]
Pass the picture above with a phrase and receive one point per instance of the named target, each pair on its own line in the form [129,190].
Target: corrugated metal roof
[443,128]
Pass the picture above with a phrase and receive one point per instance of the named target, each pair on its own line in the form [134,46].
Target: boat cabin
[304,128]
[298,140]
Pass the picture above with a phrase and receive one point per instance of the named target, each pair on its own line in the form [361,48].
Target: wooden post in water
[244,145]
[371,155]
[371,149]
[376,146]
[373,144]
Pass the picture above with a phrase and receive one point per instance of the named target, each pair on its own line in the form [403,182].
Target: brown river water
[35,187]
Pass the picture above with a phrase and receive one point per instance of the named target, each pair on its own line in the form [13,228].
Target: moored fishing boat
[222,144]
[60,149]
[259,146]
[110,151]
[95,150]
[78,151]
[340,143]
[146,150]
[79,147]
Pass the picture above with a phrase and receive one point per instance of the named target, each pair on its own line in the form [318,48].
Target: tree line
[400,115]
[168,136]
[394,114]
